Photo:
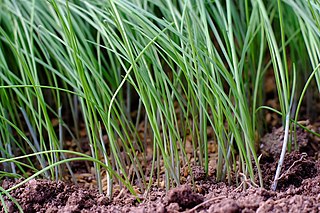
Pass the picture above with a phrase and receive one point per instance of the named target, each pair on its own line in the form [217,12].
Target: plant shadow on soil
[298,189]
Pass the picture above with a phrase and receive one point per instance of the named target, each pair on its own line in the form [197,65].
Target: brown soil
[298,189]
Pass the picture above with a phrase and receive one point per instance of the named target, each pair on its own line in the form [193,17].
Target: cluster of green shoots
[178,68]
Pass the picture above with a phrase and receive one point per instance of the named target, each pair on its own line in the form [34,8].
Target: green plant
[193,65]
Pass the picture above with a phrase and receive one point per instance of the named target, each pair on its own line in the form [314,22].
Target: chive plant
[188,65]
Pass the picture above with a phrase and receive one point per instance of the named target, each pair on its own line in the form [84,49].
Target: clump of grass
[193,65]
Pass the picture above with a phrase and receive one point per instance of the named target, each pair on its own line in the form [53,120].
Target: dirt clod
[184,196]
[225,206]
